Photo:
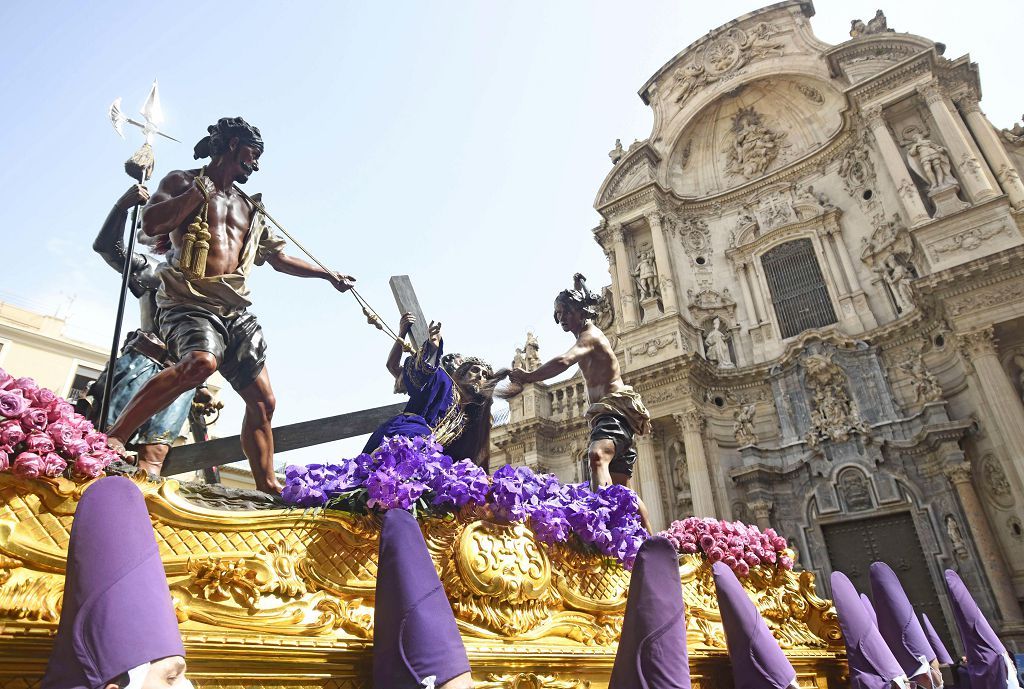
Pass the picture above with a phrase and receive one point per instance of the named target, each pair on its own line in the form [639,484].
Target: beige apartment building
[817,285]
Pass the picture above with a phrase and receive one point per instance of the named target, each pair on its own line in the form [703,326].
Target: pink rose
[28,465]
[715,554]
[62,433]
[785,562]
[44,397]
[11,432]
[729,560]
[53,465]
[89,466]
[33,420]
[59,409]
[5,457]
[770,556]
[779,543]
[707,541]
[26,385]
[736,552]
[752,560]
[13,404]
[770,532]
[5,379]
[688,548]
[96,440]
[39,443]
[741,569]
[76,448]
[82,424]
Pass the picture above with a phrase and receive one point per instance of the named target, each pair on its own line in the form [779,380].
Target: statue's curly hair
[579,297]
[221,134]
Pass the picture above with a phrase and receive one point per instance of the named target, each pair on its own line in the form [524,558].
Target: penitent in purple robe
[941,654]
[988,665]
[117,612]
[431,398]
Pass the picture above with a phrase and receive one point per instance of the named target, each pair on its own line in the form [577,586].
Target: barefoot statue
[450,397]
[144,353]
[616,413]
[213,235]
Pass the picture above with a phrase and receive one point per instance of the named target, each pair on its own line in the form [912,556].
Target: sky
[461,143]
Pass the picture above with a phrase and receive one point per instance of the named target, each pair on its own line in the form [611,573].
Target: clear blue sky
[462,143]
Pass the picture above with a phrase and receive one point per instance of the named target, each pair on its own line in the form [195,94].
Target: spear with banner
[140,168]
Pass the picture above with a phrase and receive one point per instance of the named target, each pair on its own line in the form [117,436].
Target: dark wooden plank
[405,298]
[291,437]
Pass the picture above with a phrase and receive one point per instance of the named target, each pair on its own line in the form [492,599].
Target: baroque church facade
[817,286]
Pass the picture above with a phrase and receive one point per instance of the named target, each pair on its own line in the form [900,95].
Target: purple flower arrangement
[42,435]
[414,474]
[739,545]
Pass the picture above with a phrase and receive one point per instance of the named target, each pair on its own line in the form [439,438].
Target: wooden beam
[291,437]
[405,298]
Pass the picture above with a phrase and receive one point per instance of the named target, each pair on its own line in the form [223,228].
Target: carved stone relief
[694,235]
[971,239]
[854,491]
[926,385]
[708,304]
[996,485]
[743,425]
[724,55]
[875,25]
[834,415]
[750,147]
[857,172]
[956,537]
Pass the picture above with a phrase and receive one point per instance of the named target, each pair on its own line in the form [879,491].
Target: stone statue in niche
[926,385]
[532,353]
[605,312]
[928,159]
[680,473]
[716,346]
[855,491]
[646,273]
[753,146]
[743,425]
[956,537]
[898,274]
[519,360]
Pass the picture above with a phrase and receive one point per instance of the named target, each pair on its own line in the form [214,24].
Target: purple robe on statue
[117,612]
[431,396]
[869,609]
[872,664]
[652,648]
[757,661]
[988,664]
[897,622]
[414,632]
[941,654]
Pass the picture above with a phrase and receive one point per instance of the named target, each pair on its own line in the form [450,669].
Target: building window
[84,376]
[798,290]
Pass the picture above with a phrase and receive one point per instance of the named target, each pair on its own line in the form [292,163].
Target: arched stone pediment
[751,132]
[865,56]
[637,168]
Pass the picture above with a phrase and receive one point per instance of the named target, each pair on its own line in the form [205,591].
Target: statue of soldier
[213,235]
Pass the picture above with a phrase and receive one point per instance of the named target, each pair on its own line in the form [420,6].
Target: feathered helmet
[579,297]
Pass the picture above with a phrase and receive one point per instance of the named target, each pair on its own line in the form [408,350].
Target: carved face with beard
[474,376]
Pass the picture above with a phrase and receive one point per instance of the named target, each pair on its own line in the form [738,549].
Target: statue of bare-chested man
[616,412]
[202,312]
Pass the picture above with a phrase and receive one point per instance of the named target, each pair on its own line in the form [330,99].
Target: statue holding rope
[213,234]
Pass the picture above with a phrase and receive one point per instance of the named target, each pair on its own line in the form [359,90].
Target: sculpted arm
[394,363]
[289,265]
[109,243]
[583,347]
[176,199]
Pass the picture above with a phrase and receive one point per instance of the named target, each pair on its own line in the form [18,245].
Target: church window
[797,287]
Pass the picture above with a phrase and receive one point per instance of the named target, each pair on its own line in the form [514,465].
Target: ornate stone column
[912,205]
[992,561]
[609,254]
[691,423]
[627,295]
[960,154]
[762,511]
[762,305]
[844,257]
[1006,414]
[664,261]
[647,480]
[754,318]
[832,264]
[992,148]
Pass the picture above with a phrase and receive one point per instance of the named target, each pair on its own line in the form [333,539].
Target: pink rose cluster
[42,435]
[739,545]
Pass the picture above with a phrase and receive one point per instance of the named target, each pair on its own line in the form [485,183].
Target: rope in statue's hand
[372,317]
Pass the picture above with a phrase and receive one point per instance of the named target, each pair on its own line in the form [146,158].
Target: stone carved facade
[909,204]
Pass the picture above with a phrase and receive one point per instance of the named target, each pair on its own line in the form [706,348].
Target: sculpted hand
[342,282]
[405,325]
[518,376]
[135,196]
[434,333]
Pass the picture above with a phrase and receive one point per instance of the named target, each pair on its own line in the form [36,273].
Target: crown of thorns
[448,363]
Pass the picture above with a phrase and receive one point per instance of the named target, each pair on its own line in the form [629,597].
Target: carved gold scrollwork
[528,680]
